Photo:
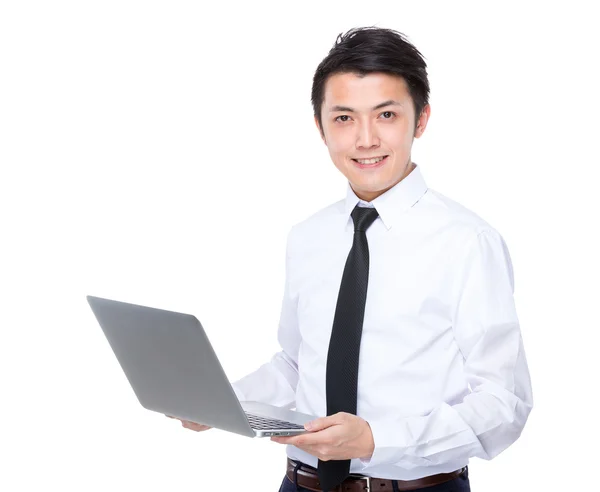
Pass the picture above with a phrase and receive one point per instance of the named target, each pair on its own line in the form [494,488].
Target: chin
[365,188]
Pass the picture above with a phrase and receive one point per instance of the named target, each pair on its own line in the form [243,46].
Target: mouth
[371,163]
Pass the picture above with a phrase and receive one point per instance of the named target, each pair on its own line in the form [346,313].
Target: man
[399,281]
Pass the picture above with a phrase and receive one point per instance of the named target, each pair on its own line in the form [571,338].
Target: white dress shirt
[442,371]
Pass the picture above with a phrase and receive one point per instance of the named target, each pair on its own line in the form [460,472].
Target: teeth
[369,161]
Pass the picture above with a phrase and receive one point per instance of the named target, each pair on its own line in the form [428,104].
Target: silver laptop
[173,370]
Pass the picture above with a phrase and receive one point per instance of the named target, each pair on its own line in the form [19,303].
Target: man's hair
[364,50]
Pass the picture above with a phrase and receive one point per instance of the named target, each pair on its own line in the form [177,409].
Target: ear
[320,131]
[423,119]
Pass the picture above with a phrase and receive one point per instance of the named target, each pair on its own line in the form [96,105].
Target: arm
[487,331]
[275,382]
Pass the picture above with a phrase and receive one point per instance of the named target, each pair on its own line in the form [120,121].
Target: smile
[370,163]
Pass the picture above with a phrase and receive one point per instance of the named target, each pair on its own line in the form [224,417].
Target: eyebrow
[390,102]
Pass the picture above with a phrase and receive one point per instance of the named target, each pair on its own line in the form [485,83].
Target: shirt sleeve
[275,382]
[492,416]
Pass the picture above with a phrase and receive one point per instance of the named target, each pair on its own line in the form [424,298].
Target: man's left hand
[340,436]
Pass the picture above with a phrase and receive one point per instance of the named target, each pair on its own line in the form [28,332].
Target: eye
[388,113]
[342,116]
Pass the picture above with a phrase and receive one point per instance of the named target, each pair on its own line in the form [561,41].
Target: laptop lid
[170,364]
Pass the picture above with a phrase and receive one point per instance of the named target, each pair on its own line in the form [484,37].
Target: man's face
[370,117]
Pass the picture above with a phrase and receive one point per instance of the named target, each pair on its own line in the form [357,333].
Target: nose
[367,137]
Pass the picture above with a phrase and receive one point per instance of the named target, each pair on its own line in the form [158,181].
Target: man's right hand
[191,425]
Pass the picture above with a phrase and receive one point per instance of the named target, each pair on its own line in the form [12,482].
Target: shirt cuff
[392,438]
[380,455]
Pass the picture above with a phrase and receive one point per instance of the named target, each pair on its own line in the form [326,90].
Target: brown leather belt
[308,478]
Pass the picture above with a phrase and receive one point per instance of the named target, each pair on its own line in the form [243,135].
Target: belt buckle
[364,477]
[368,483]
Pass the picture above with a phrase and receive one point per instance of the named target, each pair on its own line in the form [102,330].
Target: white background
[159,152]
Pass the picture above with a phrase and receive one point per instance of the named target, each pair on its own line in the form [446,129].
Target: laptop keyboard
[258,422]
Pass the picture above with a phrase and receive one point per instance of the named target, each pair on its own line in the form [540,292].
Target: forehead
[350,89]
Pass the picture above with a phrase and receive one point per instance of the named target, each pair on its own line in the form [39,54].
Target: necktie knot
[363,217]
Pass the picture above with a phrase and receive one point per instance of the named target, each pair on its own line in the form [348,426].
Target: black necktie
[344,344]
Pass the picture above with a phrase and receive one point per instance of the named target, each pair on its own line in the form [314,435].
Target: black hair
[364,50]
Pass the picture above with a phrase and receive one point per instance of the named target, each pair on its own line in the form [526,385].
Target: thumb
[318,424]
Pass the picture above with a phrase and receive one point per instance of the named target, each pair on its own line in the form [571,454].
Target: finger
[201,428]
[293,440]
[318,438]
[190,426]
[324,422]
[195,426]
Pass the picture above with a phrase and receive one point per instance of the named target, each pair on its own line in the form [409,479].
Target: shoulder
[318,223]
[444,212]
[469,235]
[453,211]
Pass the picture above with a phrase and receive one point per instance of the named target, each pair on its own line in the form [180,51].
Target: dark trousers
[458,484]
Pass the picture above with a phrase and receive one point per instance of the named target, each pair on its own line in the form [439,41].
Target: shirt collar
[395,201]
